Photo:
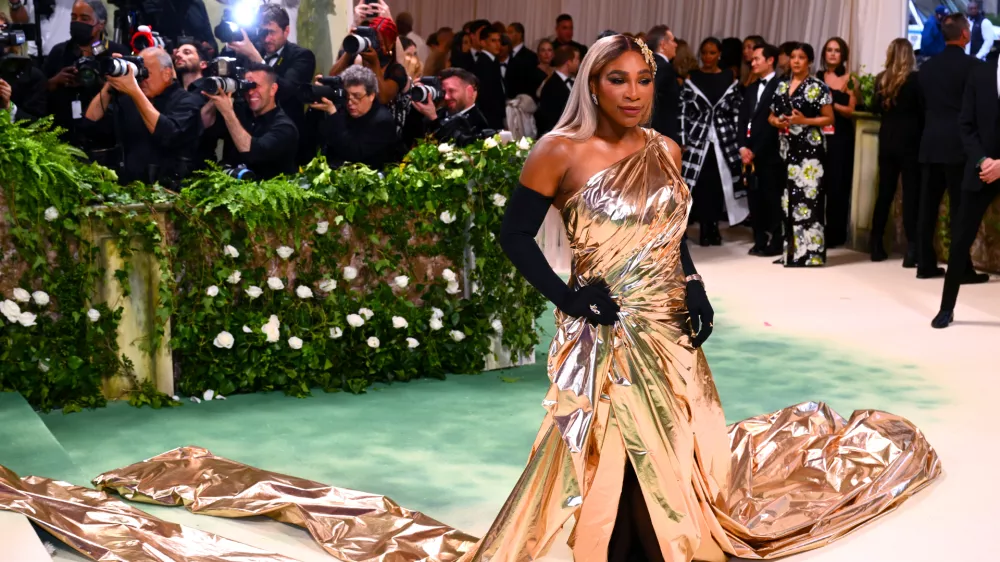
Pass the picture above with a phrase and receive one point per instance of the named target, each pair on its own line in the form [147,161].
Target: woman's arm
[342,64]
[848,109]
[825,117]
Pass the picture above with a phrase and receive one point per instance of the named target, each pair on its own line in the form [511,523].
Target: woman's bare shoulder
[547,164]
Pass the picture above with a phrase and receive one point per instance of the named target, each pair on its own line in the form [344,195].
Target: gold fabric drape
[352,526]
[105,528]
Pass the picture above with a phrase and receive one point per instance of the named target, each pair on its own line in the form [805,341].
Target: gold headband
[646,53]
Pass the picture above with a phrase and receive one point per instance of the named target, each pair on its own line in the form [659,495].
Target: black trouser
[936,178]
[890,167]
[838,176]
[707,194]
[963,234]
[765,204]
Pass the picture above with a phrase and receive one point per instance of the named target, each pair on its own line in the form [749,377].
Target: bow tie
[763,82]
[569,81]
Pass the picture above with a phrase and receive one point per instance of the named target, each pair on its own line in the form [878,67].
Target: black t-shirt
[61,102]
[370,139]
[29,94]
[273,146]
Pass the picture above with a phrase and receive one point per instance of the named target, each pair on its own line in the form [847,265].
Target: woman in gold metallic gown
[634,446]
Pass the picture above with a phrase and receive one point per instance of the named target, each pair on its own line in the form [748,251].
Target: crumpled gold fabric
[639,392]
[352,526]
[106,529]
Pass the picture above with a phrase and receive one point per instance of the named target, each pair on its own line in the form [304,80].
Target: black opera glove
[702,314]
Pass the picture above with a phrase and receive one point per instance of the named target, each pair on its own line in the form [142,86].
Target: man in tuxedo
[468,60]
[294,66]
[979,128]
[759,150]
[492,98]
[459,119]
[668,91]
[564,35]
[522,69]
[555,92]
[942,158]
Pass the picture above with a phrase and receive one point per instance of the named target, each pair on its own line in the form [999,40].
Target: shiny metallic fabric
[639,392]
[352,526]
[106,529]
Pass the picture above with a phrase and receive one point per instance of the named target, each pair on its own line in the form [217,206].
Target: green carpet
[26,445]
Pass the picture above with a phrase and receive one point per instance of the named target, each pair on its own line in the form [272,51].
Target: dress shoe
[878,252]
[943,319]
[930,273]
[779,261]
[772,251]
[973,278]
[910,260]
[756,250]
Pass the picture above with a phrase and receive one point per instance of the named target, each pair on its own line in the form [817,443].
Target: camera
[332,88]
[428,89]
[228,31]
[465,137]
[90,71]
[240,172]
[225,67]
[11,38]
[362,39]
[223,74]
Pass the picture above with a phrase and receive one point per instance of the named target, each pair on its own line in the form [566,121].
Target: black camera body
[429,89]
[361,40]
[331,88]
[240,172]
[91,71]
[228,31]
[224,74]
[11,38]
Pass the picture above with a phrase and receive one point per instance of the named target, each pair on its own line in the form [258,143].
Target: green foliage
[865,84]
[383,224]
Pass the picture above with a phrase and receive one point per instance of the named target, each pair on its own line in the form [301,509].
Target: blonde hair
[899,63]
[579,120]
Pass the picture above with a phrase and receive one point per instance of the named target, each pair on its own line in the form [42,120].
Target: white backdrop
[867,25]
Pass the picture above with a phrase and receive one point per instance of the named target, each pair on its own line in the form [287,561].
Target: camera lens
[355,44]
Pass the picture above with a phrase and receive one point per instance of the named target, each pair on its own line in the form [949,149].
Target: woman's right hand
[592,302]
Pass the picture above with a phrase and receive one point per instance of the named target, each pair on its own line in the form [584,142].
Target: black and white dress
[803,147]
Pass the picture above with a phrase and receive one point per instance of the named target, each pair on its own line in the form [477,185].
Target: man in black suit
[468,60]
[942,157]
[294,65]
[522,66]
[759,149]
[980,132]
[459,120]
[668,91]
[564,35]
[492,98]
[555,92]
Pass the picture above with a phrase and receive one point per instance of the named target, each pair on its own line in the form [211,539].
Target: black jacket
[30,94]
[551,104]
[295,66]
[273,143]
[522,73]
[370,139]
[460,129]
[978,122]
[942,81]
[668,100]
[763,139]
[903,123]
[492,100]
[466,61]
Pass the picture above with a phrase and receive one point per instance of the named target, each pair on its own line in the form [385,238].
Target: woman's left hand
[700,310]
[797,118]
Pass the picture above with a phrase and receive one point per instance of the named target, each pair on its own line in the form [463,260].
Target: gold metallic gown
[769,486]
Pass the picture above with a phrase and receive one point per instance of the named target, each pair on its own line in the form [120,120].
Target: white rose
[475,288]
[355,321]
[43,366]
[94,315]
[275,284]
[253,291]
[452,288]
[272,329]
[399,322]
[41,298]
[247,330]
[212,291]
[294,343]
[499,200]
[231,252]
[449,275]
[436,324]
[303,292]
[10,310]
[441,167]
[336,333]
[51,214]
[224,339]
[524,143]
[322,227]
[436,312]
[208,395]
[457,336]
[196,400]
[447,217]
[402,281]
[444,148]
[284,252]
[373,342]
[412,343]
[367,313]
[26,319]
[350,273]
[234,277]
[219,397]
[497,326]
[489,143]
[20,295]
[327,285]
[493,236]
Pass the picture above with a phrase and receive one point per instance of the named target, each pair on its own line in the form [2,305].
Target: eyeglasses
[356,98]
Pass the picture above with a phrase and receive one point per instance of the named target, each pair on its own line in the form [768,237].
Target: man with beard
[190,63]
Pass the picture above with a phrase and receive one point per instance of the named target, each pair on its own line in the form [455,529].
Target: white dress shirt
[765,81]
[55,28]
[564,78]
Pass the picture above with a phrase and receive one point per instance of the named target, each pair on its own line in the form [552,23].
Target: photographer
[190,62]
[156,122]
[261,136]
[53,20]
[365,133]
[459,120]
[294,65]
[23,89]
[68,95]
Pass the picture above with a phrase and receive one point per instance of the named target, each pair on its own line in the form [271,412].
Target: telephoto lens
[361,40]
[329,87]
[215,84]
[118,67]
[427,89]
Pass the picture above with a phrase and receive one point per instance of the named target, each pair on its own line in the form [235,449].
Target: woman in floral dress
[802,107]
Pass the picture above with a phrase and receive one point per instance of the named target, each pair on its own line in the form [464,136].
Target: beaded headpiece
[646,53]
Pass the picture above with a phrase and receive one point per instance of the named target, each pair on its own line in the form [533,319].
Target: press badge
[77,109]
